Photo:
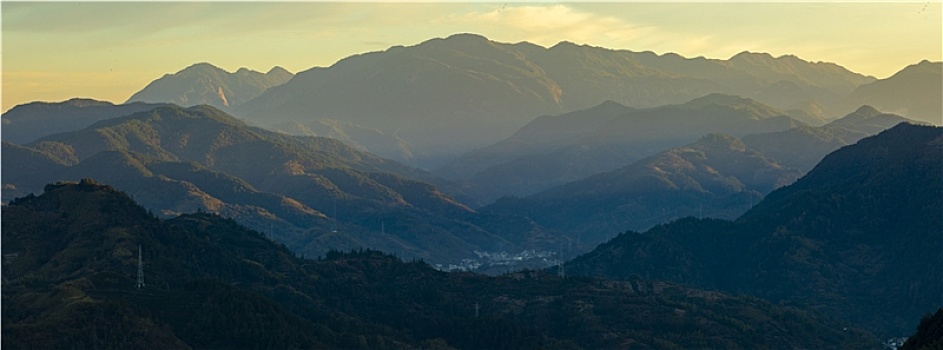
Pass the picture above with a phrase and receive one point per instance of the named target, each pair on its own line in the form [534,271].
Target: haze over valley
[564,182]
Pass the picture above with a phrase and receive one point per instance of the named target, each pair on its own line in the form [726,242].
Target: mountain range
[206,84]
[718,176]
[315,193]
[218,181]
[85,267]
[857,238]
[427,103]
[551,151]
[311,193]
[446,96]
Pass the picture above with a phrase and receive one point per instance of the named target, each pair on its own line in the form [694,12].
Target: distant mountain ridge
[916,92]
[553,150]
[311,193]
[446,96]
[844,239]
[803,147]
[31,121]
[204,83]
[718,176]
[550,151]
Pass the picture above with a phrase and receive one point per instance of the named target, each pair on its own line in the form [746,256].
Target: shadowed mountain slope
[845,239]
[550,151]
[929,333]
[717,176]
[72,254]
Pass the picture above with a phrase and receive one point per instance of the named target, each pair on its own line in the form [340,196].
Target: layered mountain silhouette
[443,97]
[446,96]
[31,121]
[311,193]
[716,176]
[803,147]
[858,238]
[914,92]
[550,151]
[72,256]
[204,83]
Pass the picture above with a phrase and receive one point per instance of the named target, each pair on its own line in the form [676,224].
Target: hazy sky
[109,50]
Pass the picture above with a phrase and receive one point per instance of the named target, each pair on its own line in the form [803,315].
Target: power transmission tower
[140,283]
[334,222]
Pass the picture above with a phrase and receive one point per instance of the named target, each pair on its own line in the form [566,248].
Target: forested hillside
[70,275]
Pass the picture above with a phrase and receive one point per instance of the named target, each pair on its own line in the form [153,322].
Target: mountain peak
[201,67]
[461,39]
[565,45]
[867,111]
[278,70]
[86,102]
[869,120]
[751,56]
[923,67]
[467,36]
[610,105]
[464,42]
[720,99]
[204,83]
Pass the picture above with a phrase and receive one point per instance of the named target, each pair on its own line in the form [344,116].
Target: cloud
[549,24]
[625,28]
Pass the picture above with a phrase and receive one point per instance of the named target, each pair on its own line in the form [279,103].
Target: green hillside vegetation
[844,239]
[71,258]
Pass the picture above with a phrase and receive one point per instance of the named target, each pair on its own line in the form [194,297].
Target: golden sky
[109,50]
